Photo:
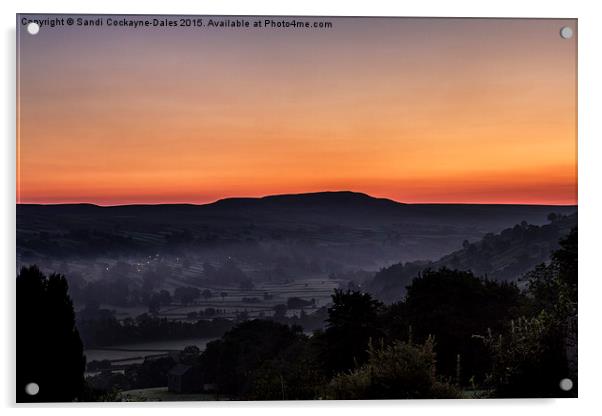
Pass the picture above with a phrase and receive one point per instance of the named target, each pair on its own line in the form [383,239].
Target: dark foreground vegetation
[453,335]
[49,348]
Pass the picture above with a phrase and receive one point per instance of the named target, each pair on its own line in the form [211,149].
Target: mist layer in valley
[252,254]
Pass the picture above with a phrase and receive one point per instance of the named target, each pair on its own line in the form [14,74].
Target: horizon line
[292,194]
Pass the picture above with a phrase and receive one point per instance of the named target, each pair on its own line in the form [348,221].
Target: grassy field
[160,394]
[137,351]
[319,289]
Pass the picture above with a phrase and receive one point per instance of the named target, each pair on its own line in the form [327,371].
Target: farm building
[184,379]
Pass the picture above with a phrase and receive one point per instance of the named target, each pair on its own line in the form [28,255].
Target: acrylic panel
[295,208]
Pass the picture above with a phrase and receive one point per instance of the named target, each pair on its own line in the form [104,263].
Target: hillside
[284,235]
[503,256]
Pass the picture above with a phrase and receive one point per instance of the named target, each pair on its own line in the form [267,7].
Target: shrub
[398,371]
[530,359]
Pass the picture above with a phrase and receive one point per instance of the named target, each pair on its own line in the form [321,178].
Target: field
[228,307]
[135,353]
[260,301]
[160,394]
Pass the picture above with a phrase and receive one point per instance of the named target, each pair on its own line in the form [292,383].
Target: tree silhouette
[186,295]
[530,359]
[554,285]
[353,320]
[231,361]
[280,311]
[49,349]
[565,260]
[452,306]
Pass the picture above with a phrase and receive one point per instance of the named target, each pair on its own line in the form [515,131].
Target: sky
[416,110]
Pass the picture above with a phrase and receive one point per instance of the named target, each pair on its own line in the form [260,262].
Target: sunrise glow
[416,110]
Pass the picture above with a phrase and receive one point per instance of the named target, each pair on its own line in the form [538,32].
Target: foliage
[151,373]
[359,354]
[107,330]
[230,361]
[298,303]
[48,344]
[537,352]
[294,374]
[553,287]
[505,256]
[398,371]
[453,305]
[280,311]
[353,320]
[529,360]
[187,294]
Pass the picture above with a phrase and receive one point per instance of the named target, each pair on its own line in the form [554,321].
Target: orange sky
[417,110]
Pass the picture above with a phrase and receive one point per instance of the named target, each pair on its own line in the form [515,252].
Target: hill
[504,256]
[284,235]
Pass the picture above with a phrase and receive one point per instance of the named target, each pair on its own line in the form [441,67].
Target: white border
[590,135]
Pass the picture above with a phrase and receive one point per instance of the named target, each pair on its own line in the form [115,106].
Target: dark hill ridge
[505,256]
[353,225]
[330,207]
[326,199]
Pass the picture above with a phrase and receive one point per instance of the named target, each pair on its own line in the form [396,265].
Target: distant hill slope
[328,208]
[504,256]
[350,228]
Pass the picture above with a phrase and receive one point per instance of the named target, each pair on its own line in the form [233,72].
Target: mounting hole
[566,32]
[33,28]
[566,384]
[32,389]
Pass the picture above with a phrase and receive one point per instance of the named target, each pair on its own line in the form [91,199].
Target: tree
[280,311]
[398,371]
[453,306]
[206,294]
[297,303]
[154,304]
[165,297]
[231,360]
[537,352]
[151,373]
[187,294]
[553,287]
[353,320]
[293,374]
[190,355]
[49,348]
[529,360]
[565,259]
